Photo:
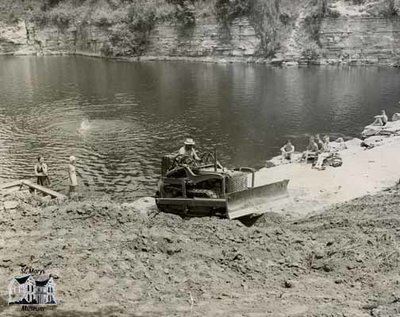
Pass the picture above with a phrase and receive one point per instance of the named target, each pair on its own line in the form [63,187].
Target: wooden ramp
[32,185]
[10,185]
[43,189]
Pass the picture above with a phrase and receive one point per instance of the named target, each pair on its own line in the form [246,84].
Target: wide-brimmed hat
[189,141]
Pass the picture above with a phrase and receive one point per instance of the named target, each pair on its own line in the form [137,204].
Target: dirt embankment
[112,260]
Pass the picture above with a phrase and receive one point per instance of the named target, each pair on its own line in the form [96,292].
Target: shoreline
[364,172]
[270,62]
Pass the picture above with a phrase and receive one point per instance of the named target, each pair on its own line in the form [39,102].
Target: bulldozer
[193,188]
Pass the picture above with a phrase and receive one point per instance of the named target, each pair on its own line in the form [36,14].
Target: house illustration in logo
[26,290]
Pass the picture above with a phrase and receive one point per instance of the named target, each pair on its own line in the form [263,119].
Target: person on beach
[41,172]
[187,150]
[380,120]
[312,145]
[396,116]
[319,142]
[72,177]
[340,144]
[325,153]
[287,150]
[311,150]
[384,117]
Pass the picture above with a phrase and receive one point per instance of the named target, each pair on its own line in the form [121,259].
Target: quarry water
[139,111]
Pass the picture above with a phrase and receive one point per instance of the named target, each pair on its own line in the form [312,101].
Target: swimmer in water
[85,125]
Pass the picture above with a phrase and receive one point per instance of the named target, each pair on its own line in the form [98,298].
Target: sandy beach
[363,172]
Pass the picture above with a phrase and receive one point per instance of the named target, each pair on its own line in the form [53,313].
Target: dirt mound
[110,259]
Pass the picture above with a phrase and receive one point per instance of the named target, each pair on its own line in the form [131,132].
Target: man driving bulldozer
[188,150]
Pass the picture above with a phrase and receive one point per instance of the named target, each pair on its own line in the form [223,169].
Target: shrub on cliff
[184,11]
[311,52]
[228,10]
[49,4]
[141,18]
[60,17]
[107,50]
[124,42]
[59,13]
[389,8]
[356,2]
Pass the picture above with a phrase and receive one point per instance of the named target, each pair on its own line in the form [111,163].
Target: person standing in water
[41,172]
[72,177]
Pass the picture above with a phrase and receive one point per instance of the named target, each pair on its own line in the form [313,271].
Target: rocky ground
[112,260]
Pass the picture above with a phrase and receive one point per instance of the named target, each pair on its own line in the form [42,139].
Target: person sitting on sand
[319,142]
[384,117]
[41,172]
[311,150]
[396,116]
[287,150]
[325,153]
[380,120]
[312,145]
[339,145]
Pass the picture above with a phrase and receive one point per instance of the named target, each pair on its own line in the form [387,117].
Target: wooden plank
[43,189]
[11,184]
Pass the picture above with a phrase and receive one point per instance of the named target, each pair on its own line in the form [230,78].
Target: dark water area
[140,111]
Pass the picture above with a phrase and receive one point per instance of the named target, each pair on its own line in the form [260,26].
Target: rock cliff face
[324,32]
[26,39]
[206,39]
[361,40]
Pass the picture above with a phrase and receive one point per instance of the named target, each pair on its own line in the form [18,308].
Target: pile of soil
[110,260]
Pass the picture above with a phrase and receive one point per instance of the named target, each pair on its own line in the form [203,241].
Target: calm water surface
[140,111]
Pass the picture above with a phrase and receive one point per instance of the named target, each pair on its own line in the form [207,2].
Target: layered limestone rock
[355,40]
[29,39]
[14,39]
[204,39]
[352,35]
[167,39]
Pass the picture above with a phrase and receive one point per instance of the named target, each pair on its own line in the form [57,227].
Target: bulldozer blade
[256,200]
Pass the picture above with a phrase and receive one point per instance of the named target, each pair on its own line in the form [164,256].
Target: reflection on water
[119,118]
